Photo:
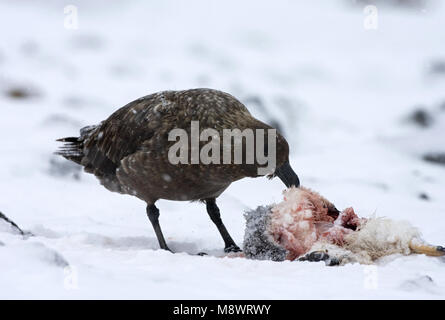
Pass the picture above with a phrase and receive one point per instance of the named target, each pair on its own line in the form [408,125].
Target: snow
[340,93]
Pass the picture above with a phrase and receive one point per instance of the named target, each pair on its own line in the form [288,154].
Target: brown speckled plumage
[128,152]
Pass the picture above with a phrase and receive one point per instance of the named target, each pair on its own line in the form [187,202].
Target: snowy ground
[341,94]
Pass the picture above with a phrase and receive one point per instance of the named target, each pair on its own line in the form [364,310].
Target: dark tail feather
[68,139]
[72,149]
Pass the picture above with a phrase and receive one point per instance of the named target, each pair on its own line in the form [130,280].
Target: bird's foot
[166,249]
[317,256]
[232,248]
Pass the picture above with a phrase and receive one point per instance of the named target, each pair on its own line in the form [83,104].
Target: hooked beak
[287,175]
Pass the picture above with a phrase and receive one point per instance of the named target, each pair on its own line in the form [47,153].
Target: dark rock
[437,67]
[14,226]
[424,196]
[421,118]
[435,157]
[17,93]
[21,92]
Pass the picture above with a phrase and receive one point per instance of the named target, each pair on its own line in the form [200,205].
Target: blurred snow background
[363,110]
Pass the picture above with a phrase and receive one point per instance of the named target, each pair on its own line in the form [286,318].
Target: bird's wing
[122,134]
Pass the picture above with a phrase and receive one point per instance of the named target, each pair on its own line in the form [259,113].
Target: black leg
[153,215]
[215,216]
